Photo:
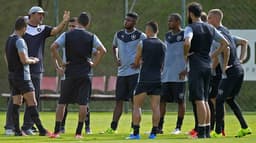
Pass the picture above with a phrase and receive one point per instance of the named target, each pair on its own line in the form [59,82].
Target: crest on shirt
[39,29]
[122,36]
[179,38]
[133,36]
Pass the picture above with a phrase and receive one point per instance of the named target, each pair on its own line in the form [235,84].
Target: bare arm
[187,44]
[137,60]
[27,60]
[115,53]
[56,57]
[243,43]
[101,51]
[56,30]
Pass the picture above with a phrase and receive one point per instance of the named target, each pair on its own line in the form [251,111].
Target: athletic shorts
[75,90]
[230,87]
[20,87]
[173,92]
[148,88]
[198,81]
[125,86]
[214,86]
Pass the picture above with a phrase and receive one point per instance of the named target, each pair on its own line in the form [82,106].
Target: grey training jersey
[127,47]
[174,61]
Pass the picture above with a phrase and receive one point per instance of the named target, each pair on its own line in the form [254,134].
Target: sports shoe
[45,133]
[215,135]
[88,131]
[133,137]
[9,132]
[29,132]
[78,136]
[243,132]
[20,133]
[192,134]
[223,133]
[152,136]
[176,131]
[54,135]
[34,129]
[110,131]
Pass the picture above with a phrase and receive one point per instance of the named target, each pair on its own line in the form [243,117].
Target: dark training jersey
[152,60]
[35,38]
[17,70]
[202,36]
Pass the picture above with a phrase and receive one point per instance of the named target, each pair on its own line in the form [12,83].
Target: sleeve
[94,50]
[188,32]
[96,42]
[217,36]
[115,40]
[61,40]
[21,46]
[237,39]
[47,31]
[143,36]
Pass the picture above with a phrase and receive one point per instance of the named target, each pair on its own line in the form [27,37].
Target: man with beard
[198,39]
[124,49]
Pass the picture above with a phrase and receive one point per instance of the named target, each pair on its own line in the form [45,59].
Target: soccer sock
[219,115]
[223,125]
[212,110]
[57,127]
[201,131]
[195,115]
[35,118]
[208,130]
[161,123]
[154,130]
[87,120]
[64,117]
[236,109]
[113,125]
[15,116]
[179,122]
[136,129]
[79,128]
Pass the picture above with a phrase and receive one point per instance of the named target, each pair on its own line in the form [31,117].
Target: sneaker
[110,131]
[160,131]
[78,136]
[223,133]
[243,132]
[20,133]
[215,135]
[34,129]
[152,136]
[45,133]
[133,137]
[54,135]
[176,131]
[29,132]
[9,132]
[192,134]
[88,131]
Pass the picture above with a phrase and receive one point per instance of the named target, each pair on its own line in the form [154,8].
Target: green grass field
[100,121]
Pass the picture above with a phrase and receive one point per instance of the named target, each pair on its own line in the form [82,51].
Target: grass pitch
[100,121]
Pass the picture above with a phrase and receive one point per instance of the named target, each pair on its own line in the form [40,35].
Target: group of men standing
[146,67]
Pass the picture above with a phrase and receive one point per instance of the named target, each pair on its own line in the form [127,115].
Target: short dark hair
[176,16]
[195,8]
[84,19]
[20,23]
[133,15]
[153,25]
[73,19]
[204,16]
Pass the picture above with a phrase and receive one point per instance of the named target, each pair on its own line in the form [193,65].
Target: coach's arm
[56,30]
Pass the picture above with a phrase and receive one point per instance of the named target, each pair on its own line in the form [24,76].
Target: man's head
[194,11]
[36,15]
[151,28]
[84,19]
[72,23]
[20,24]
[204,16]
[174,21]
[215,17]
[130,20]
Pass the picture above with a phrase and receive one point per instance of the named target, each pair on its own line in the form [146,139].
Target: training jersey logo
[179,38]
[133,36]
[39,29]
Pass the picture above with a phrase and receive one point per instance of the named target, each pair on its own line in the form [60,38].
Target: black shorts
[173,92]
[148,88]
[20,87]
[198,81]
[230,87]
[75,90]
[214,86]
[125,86]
